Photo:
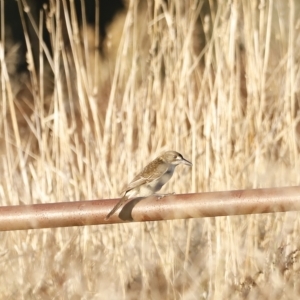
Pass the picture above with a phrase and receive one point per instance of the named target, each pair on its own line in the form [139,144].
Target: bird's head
[174,158]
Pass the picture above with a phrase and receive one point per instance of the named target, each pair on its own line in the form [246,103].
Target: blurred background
[92,91]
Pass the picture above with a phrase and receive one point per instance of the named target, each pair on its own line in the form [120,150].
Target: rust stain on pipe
[93,212]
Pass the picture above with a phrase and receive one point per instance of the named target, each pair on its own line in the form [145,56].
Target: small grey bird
[152,178]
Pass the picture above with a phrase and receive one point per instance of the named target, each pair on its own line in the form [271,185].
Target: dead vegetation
[226,95]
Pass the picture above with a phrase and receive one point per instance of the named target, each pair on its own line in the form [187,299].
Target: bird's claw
[163,195]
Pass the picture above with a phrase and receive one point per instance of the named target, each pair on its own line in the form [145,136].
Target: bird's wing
[150,172]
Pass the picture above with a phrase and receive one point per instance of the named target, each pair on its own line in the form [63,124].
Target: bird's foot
[160,196]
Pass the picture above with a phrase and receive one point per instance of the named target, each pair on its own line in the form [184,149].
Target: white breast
[156,185]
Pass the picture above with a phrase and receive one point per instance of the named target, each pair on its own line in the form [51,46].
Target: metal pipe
[93,212]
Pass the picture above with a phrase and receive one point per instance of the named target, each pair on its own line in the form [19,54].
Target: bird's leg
[160,196]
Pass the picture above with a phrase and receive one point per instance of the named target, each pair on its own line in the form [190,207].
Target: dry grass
[232,109]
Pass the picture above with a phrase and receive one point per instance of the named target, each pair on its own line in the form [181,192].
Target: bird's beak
[186,162]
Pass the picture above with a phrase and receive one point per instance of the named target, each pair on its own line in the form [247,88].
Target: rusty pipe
[93,212]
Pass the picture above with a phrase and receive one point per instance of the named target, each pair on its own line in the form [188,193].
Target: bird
[151,178]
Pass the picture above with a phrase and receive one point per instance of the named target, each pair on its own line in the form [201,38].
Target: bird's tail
[119,204]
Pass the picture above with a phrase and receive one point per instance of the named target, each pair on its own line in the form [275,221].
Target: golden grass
[231,108]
